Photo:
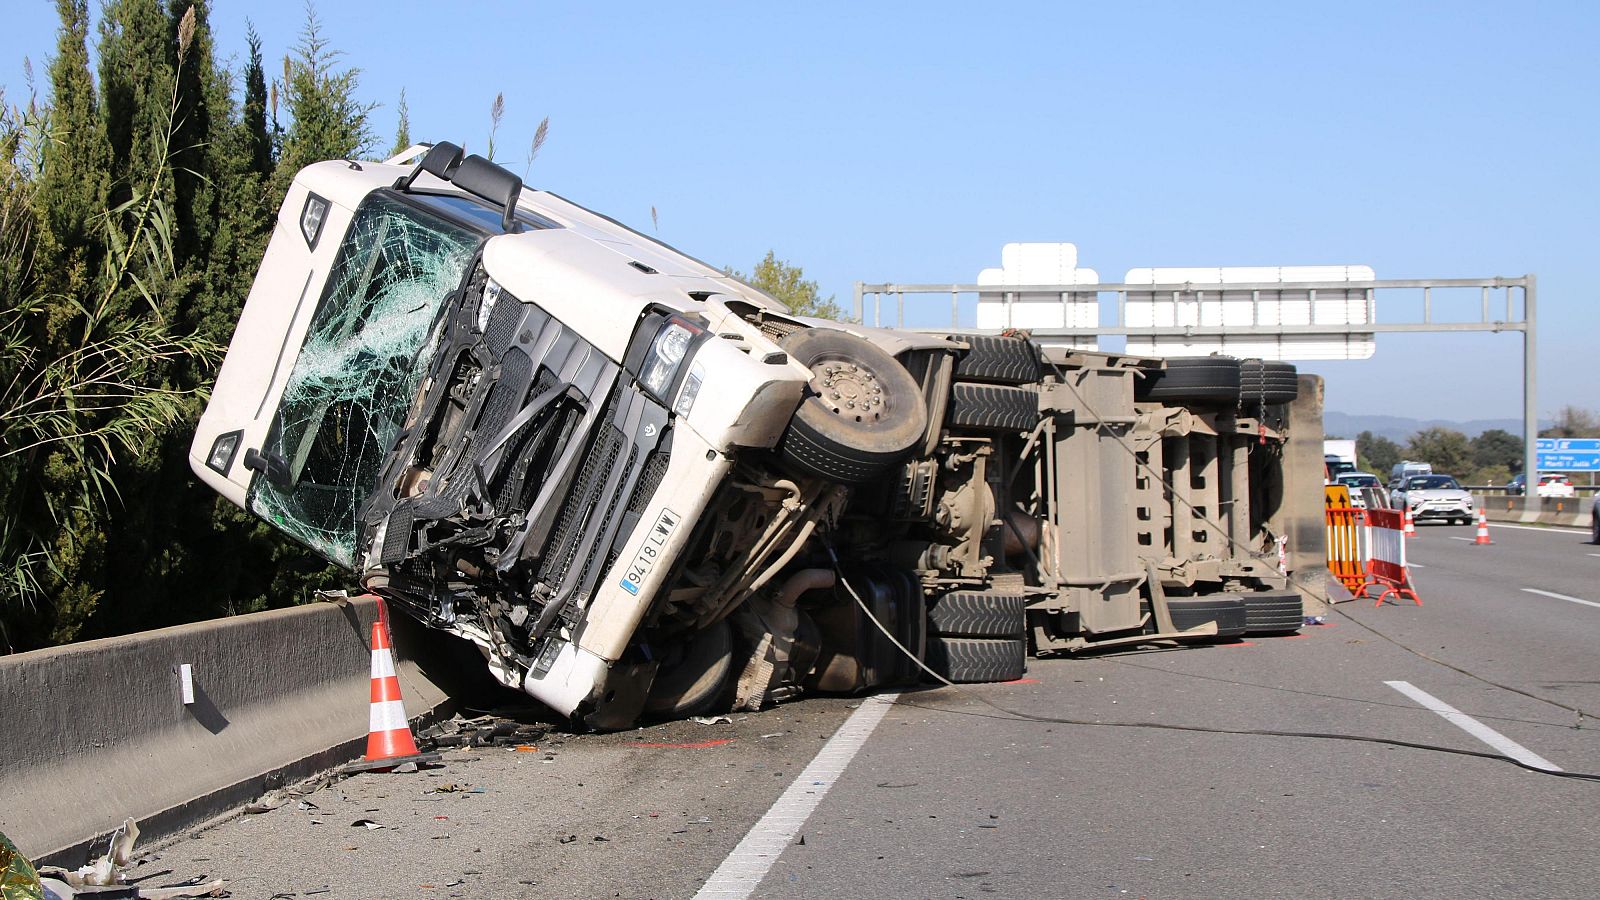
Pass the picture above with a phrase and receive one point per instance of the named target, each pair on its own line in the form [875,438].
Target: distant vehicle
[1434,497]
[1362,485]
[1551,484]
[1406,468]
[1338,456]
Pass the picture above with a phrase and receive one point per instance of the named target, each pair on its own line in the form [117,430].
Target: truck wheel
[1192,379]
[978,614]
[993,408]
[997,360]
[1227,611]
[1273,612]
[862,412]
[693,674]
[1267,381]
[977,660]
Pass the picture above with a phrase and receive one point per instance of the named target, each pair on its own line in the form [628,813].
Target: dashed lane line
[1473,727]
[1559,596]
[742,871]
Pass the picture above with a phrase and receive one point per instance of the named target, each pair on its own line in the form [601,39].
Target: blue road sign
[1568,462]
[1567,454]
[1567,445]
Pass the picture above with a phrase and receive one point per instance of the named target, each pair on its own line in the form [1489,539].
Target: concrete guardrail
[1572,512]
[97,731]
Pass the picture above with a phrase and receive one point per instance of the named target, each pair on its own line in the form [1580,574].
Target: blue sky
[908,142]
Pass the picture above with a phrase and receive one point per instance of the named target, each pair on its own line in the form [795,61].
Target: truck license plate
[650,553]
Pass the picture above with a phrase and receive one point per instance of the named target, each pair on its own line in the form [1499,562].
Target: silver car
[1434,497]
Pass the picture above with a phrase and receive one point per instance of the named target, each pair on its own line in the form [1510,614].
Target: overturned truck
[644,488]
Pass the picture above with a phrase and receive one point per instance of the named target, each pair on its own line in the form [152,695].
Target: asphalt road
[993,791]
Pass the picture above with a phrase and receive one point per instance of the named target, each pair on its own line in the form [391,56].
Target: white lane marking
[1412,565]
[742,871]
[1592,554]
[1559,596]
[1544,528]
[1454,538]
[1473,727]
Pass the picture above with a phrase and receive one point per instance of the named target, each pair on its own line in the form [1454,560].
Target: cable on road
[1304,693]
[1018,715]
[1576,726]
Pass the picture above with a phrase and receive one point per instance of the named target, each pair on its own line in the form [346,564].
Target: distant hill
[1399,429]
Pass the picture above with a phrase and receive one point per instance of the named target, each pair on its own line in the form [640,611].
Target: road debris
[366,823]
[106,878]
[484,731]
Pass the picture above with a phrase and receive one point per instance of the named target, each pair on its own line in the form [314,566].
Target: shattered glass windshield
[353,382]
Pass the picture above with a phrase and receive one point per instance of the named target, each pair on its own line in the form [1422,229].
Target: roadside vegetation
[138,187]
[137,191]
[1492,457]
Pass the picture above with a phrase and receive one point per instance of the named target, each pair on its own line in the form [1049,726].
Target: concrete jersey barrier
[1571,512]
[98,731]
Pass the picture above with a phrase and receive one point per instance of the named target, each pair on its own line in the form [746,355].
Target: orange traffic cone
[1483,529]
[389,740]
[1411,527]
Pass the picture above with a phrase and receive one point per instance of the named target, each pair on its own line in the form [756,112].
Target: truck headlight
[666,354]
[220,459]
[690,390]
[312,217]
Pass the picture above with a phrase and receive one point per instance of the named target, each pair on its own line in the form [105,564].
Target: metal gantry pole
[1530,392]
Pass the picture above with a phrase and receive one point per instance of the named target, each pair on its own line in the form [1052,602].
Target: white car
[1558,486]
[1434,497]
[1362,485]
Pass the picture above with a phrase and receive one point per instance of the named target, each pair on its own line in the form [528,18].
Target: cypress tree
[402,132]
[258,141]
[326,119]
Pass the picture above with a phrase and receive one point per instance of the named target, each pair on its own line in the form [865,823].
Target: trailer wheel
[1228,611]
[997,360]
[862,412]
[977,660]
[1192,379]
[693,675]
[978,614]
[1273,612]
[993,408]
[1267,381]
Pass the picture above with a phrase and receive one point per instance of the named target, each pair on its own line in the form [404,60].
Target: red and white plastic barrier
[1386,561]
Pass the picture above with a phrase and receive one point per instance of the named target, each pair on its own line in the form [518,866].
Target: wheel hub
[848,389]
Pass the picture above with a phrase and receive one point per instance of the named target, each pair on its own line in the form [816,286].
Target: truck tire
[1267,381]
[978,614]
[1192,379]
[863,412]
[693,678]
[1227,610]
[993,408]
[977,660]
[997,360]
[1273,612]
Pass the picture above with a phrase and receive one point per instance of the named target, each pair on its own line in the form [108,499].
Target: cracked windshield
[365,352]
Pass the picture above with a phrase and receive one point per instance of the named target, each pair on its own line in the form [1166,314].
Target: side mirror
[271,465]
[440,161]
